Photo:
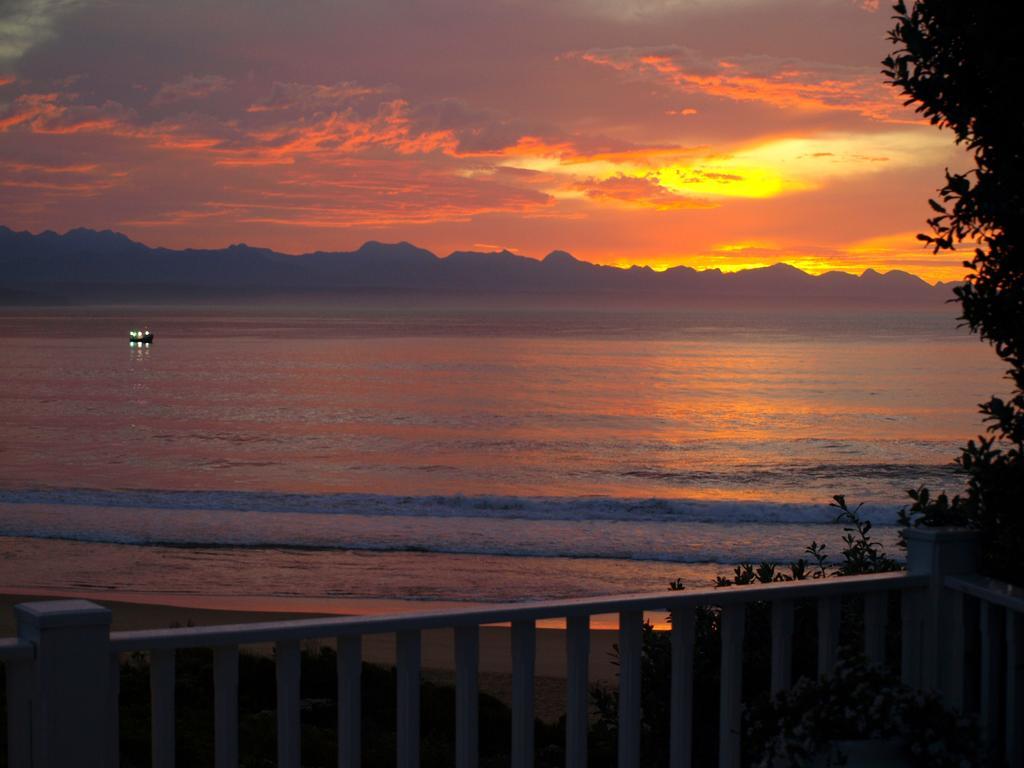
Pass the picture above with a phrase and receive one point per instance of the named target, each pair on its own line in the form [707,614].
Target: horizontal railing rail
[13,649]
[990,590]
[311,629]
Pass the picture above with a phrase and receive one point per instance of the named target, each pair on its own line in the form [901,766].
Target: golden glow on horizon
[908,260]
[725,180]
[898,251]
[756,170]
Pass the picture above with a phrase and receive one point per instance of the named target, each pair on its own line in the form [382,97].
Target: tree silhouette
[960,63]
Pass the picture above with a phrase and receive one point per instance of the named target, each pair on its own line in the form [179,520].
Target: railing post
[70,678]
[939,553]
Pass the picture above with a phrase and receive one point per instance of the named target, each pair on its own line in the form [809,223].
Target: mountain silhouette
[89,265]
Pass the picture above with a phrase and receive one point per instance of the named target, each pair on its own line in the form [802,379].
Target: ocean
[338,454]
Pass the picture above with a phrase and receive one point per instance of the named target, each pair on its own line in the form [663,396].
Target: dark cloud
[191,87]
[315,98]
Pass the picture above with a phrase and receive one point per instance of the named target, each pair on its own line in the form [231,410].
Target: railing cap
[62,613]
[991,590]
[302,629]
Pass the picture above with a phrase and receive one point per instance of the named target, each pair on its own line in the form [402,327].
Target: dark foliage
[960,64]
[858,701]
[861,554]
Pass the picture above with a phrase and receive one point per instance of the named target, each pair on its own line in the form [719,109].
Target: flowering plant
[859,701]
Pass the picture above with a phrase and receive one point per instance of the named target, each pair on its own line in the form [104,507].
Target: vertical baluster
[953,668]
[114,707]
[409,699]
[828,634]
[876,619]
[681,702]
[19,720]
[731,705]
[972,651]
[910,656]
[782,645]
[350,673]
[1014,727]
[523,652]
[630,642]
[467,697]
[18,714]
[577,662]
[225,706]
[289,660]
[993,635]
[161,693]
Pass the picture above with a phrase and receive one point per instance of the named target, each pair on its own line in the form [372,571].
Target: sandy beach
[437,645]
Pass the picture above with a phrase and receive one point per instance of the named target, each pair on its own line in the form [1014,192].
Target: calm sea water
[460,455]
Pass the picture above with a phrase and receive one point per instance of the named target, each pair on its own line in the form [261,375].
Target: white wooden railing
[63,671]
[985,672]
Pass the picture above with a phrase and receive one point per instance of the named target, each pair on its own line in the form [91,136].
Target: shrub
[959,63]
[858,701]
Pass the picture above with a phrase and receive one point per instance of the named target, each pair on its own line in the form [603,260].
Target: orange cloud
[29,107]
[63,187]
[21,167]
[49,113]
[79,179]
[524,146]
[337,134]
[781,83]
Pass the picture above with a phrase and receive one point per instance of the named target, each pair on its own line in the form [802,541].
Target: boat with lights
[139,338]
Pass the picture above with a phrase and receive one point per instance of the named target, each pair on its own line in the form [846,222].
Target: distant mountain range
[85,265]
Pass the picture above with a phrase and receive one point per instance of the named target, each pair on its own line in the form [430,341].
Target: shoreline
[243,608]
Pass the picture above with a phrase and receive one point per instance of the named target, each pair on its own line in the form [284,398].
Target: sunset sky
[712,133]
